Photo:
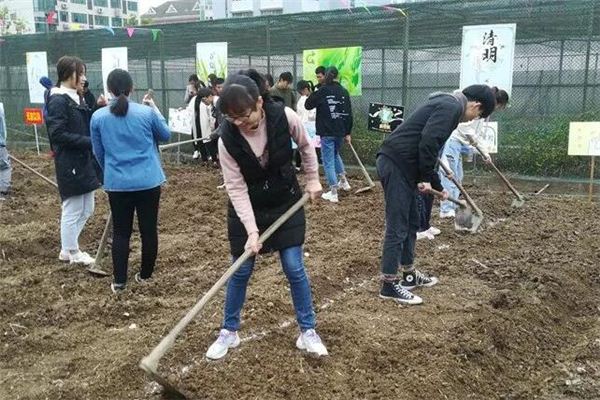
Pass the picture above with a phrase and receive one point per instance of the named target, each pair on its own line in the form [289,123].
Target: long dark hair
[241,92]
[67,65]
[120,84]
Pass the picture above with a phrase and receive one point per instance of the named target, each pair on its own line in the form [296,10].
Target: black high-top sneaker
[416,278]
[394,291]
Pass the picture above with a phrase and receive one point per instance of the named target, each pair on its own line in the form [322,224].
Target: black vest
[273,189]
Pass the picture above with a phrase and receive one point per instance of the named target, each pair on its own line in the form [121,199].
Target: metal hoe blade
[518,202]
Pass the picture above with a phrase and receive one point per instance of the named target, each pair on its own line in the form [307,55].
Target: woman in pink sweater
[256,158]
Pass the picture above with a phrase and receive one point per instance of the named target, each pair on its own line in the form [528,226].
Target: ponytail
[120,107]
[120,84]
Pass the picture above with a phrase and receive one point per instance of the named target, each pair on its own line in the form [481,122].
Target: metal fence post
[269,45]
[383,77]
[587,58]
[405,65]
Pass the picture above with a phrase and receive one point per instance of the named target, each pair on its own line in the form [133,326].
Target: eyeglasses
[242,118]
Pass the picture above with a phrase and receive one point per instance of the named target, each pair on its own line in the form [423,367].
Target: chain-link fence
[408,53]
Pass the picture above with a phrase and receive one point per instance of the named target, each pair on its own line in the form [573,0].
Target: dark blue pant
[401,217]
[425,204]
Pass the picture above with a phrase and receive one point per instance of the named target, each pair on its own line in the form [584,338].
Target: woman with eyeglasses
[256,158]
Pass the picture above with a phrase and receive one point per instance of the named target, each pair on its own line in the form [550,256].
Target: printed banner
[112,58]
[384,117]
[487,136]
[348,61]
[33,116]
[180,121]
[487,55]
[211,58]
[37,66]
[584,139]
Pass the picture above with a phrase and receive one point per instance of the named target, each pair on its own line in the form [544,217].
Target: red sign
[33,116]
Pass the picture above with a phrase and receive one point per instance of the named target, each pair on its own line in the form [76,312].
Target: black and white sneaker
[416,278]
[394,291]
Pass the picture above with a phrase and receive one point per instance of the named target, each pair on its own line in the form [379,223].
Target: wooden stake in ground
[592,167]
[150,363]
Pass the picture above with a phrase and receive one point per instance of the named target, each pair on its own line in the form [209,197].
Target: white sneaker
[81,257]
[425,235]
[329,196]
[311,342]
[64,256]
[225,341]
[344,184]
[220,187]
[196,155]
[447,214]
[434,231]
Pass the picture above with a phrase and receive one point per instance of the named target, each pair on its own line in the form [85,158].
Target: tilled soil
[515,316]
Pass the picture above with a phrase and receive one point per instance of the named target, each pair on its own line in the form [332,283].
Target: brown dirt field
[515,316]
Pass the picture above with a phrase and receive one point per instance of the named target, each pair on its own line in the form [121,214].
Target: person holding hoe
[255,152]
[406,162]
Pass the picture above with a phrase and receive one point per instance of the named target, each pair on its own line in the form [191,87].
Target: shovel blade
[466,221]
[95,270]
[518,203]
[170,391]
[365,189]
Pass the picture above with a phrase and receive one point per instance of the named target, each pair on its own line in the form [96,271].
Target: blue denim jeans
[332,162]
[293,267]
[452,153]
[401,217]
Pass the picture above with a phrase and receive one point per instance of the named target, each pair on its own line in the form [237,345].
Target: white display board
[112,58]
[211,58]
[487,55]
[180,121]
[487,136]
[3,133]
[584,139]
[37,67]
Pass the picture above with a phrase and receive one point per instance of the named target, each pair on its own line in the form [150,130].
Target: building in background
[63,15]
[176,11]
[194,10]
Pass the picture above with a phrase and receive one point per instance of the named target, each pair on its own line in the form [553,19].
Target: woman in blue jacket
[125,139]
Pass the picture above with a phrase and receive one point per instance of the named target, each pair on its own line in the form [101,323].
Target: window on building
[115,3]
[151,11]
[132,6]
[44,5]
[40,27]
[171,10]
[101,3]
[79,18]
[100,20]
[84,2]
[275,11]
[242,14]
[63,16]
[117,22]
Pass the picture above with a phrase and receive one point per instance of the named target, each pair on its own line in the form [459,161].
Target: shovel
[96,267]
[464,219]
[519,200]
[93,268]
[477,218]
[150,363]
[364,171]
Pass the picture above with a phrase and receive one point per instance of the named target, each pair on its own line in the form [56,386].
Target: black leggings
[123,205]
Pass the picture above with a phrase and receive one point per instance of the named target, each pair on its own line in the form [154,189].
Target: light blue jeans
[452,153]
[75,212]
[293,266]
[332,162]
[5,170]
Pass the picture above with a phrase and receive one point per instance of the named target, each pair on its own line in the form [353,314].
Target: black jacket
[272,190]
[416,144]
[68,125]
[334,111]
